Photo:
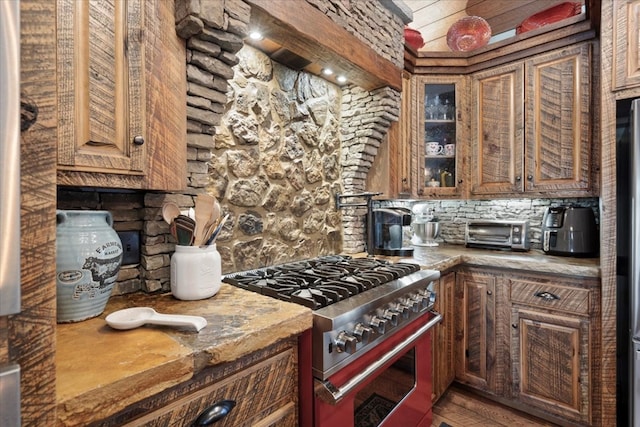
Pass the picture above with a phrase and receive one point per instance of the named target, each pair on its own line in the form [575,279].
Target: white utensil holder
[196,272]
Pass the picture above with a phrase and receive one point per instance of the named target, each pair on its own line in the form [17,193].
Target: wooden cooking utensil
[170,211]
[217,210]
[204,210]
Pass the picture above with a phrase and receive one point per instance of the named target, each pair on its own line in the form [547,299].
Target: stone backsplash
[276,165]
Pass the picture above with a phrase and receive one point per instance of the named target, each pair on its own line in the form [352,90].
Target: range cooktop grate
[319,282]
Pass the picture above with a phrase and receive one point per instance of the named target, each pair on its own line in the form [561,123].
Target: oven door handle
[331,394]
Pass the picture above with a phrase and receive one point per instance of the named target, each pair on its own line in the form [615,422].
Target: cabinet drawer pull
[214,413]
[138,140]
[547,296]
[100,143]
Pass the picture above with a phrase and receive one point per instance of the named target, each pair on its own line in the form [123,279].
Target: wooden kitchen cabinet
[531,131]
[477,332]
[121,95]
[263,385]
[438,135]
[532,340]
[553,346]
[443,337]
[498,130]
[626,44]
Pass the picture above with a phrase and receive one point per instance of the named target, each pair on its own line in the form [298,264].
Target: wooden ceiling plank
[418,6]
[309,33]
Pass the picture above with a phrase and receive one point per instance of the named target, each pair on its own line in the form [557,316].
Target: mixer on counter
[426,227]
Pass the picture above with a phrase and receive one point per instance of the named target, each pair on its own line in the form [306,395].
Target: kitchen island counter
[100,371]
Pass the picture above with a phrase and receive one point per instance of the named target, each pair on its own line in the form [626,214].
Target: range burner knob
[429,295]
[391,315]
[346,343]
[402,309]
[413,303]
[362,333]
[421,300]
[380,325]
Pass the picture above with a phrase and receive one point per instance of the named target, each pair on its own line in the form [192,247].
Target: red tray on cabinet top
[549,16]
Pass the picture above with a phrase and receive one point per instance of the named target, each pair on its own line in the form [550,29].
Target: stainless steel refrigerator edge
[627,262]
[9,198]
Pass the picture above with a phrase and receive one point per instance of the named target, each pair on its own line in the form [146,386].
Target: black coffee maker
[388,226]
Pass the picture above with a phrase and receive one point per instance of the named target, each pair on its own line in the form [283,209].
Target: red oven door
[388,386]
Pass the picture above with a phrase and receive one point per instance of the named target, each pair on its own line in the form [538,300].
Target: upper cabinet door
[531,128]
[439,135]
[626,44]
[122,118]
[558,130]
[101,85]
[497,130]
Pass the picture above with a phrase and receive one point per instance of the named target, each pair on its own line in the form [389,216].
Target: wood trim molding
[538,41]
[309,33]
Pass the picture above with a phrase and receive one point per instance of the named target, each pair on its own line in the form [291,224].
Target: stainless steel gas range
[371,322]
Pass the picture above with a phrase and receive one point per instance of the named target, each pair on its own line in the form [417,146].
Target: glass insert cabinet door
[438,136]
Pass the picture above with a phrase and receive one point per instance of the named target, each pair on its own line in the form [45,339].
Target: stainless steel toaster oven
[498,234]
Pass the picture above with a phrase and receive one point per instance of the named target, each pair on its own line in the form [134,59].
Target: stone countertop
[445,257]
[100,370]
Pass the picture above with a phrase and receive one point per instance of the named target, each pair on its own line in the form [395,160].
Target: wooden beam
[309,33]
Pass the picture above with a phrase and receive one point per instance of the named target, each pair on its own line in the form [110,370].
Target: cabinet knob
[138,140]
[518,178]
[214,413]
[530,177]
[514,326]
[489,293]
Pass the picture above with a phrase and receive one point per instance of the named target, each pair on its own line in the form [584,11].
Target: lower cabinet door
[443,347]
[550,361]
[476,331]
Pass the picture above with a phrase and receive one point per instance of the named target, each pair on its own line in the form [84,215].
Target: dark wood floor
[461,408]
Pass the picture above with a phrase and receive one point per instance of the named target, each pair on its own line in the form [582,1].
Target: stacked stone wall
[372,22]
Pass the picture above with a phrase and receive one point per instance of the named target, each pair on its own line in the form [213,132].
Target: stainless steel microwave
[498,234]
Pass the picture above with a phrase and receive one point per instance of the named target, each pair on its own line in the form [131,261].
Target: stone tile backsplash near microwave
[454,214]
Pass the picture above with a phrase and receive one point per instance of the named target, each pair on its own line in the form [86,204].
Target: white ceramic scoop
[134,317]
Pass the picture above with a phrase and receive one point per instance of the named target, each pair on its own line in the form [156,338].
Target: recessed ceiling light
[327,71]
[341,79]
[255,35]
